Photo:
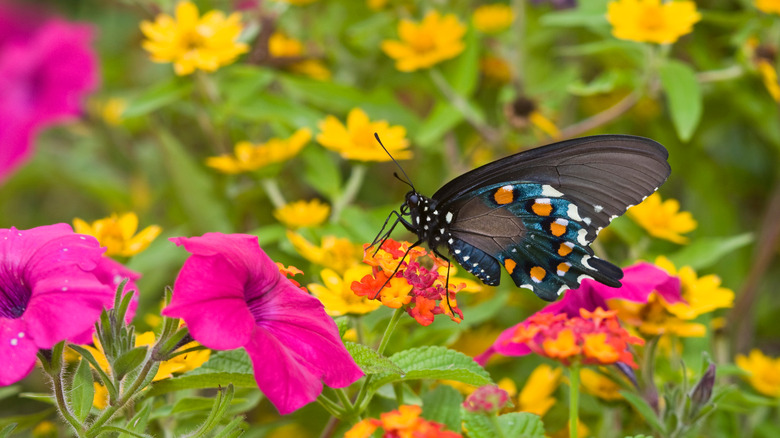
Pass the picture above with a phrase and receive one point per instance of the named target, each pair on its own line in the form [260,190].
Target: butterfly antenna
[408,180]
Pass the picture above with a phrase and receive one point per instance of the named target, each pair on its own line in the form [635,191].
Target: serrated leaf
[129,360]
[515,424]
[683,97]
[703,253]
[82,390]
[158,97]
[442,405]
[193,188]
[434,363]
[370,361]
[231,361]
[645,410]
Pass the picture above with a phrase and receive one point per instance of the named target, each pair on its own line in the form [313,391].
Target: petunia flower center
[14,294]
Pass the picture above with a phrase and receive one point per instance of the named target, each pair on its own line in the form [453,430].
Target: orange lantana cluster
[420,290]
[404,422]
[591,338]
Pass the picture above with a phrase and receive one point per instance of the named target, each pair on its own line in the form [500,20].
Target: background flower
[118,233]
[762,372]
[435,39]
[652,21]
[248,157]
[356,140]
[302,213]
[232,295]
[663,219]
[493,18]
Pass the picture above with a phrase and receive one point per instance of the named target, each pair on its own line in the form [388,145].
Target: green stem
[475,119]
[350,191]
[56,375]
[271,188]
[359,400]
[330,406]
[342,396]
[574,398]
[499,433]
[210,93]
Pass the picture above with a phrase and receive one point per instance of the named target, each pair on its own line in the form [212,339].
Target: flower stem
[330,406]
[574,398]
[359,400]
[350,191]
[271,188]
[468,112]
[496,426]
[55,373]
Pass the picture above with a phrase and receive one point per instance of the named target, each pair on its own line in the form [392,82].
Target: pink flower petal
[17,349]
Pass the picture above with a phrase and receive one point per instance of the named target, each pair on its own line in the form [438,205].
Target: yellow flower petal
[663,219]
[356,141]
[337,296]
[768,6]
[493,18]
[437,38]
[763,372]
[536,395]
[652,21]
[116,233]
[303,213]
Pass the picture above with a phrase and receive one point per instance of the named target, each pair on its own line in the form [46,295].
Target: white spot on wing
[563,289]
[581,237]
[598,208]
[548,190]
[573,212]
[448,218]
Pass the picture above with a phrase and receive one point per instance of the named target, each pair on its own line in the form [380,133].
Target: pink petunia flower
[48,293]
[639,281]
[112,273]
[231,294]
[46,69]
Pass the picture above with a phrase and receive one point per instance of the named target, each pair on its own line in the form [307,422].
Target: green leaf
[140,420]
[462,72]
[82,391]
[222,369]
[442,405]
[321,171]
[244,82]
[515,424]
[129,360]
[157,97]
[9,391]
[267,108]
[370,361]
[232,361]
[441,120]
[434,363]
[645,410]
[705,252]
[193,188]
[193,404]
[6,431]
[23,422]
[683,97]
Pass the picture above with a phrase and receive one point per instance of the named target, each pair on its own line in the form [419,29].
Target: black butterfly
[536,212]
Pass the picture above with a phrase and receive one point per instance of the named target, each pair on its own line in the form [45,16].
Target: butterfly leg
[395,271]
[447,281]
[380,237]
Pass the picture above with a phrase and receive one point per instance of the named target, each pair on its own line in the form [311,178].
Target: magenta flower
[639,281]
[231,294]
[48,293]
[46,69]
[112,273]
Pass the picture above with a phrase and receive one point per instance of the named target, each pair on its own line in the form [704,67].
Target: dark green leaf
[129,360]
[370,361]
[683,97]
[82,390]
[442,405]
[515,424]
[9,391]
[705,252]
[23,422]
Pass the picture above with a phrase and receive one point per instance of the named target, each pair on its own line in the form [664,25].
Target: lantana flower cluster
[403,422]
[591,338]
[399,282]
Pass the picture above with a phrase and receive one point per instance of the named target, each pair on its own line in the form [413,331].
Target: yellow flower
[663,219]
[356,141]
[337,296]
[599,385]
[178,364]
[769,76]
[701,294]
[652,21]
[297,2]
[764,372]
[192,42]
[493,18]
[282,46]
[100,400]
[376,5]
[335,253]
[312,68]
[496,69]
[302,213]
[435,39]
[536,396]
[768,6]
[111,110]
[250,157]
[45,429]
[116,233]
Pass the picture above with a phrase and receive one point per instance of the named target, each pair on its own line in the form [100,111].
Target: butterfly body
[535,213]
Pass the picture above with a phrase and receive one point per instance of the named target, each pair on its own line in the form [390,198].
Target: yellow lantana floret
[763,372]
[663,219]
[192,42]
[651,21]
[356,141]
[768,6]
[117,234]
[303,213]
[337,296]
[422,45]
[493,18]
[249,157]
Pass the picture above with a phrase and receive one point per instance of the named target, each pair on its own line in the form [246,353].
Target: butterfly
[535,213]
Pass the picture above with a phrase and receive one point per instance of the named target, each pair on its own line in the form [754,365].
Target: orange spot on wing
[557,228]
[542,209]
[510,264]
[563,267]
[564,249]
[538,273]
[504,195]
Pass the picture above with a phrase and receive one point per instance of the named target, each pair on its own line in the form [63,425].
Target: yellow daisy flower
[337,296]
[769,76]
[435,39]
[493,18]
[495,69]
[768,6]
[701,294]
[111,110]
[356,141]
[249,157]
[100,399]
[663,219]
[536,396]
[303,213]
[764,372]
[651,21]
[178,364]
[336,253]
[192,42]
[297,2]
[116,233]
[599,385]
[282,46]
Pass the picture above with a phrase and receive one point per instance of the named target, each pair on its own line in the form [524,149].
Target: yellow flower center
[652,19]
[423,42]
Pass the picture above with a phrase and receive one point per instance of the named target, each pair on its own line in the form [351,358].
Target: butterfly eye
[412,199]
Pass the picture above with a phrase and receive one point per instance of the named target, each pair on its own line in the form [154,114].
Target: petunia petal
[18,350]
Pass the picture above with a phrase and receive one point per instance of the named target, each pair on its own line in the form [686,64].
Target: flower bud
[488,399]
